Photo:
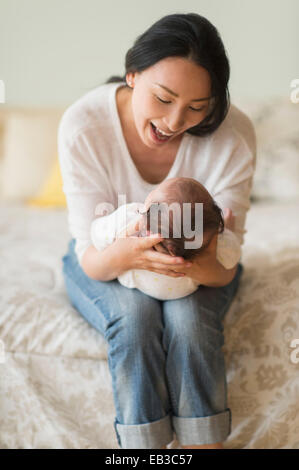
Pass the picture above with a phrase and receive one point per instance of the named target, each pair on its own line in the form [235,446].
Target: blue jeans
[165,358]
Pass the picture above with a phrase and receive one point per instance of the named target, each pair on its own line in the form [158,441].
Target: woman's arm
[85,179]
[215,275]
[207,270]
[130,252]
[104,265]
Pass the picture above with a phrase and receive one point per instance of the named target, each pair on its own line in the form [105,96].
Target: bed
[55,386]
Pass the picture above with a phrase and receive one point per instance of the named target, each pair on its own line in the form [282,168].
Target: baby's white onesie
[104,231]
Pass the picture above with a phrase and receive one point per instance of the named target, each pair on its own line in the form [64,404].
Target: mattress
[55,385]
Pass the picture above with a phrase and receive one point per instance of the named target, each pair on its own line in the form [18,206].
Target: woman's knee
[134,318]
[192,324]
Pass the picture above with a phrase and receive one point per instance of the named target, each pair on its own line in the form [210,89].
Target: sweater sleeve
[85,183]
[228,249]
[103,230]
[235,183]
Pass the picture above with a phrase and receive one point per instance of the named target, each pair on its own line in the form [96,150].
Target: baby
[173,192]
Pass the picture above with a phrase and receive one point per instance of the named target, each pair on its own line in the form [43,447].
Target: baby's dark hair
[185,190]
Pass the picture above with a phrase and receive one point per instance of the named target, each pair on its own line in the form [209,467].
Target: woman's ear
[130,78]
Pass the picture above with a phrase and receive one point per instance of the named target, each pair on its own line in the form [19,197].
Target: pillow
[30,141]
[51,194]
[277,163]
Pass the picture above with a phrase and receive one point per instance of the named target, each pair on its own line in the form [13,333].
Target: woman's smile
[156,136]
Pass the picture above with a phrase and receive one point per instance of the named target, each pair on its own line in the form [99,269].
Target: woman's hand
[205,268]
[139,253]
[145,253]
[204,261]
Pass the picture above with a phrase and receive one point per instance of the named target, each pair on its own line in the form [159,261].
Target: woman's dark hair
[192,37]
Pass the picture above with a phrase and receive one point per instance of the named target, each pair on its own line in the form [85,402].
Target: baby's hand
[131,229]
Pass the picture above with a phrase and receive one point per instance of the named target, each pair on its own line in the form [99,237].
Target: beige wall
[53,51]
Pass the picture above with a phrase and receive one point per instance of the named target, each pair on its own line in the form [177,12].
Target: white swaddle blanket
[104,231]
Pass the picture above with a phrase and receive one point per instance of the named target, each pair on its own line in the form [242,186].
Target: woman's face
[187,108]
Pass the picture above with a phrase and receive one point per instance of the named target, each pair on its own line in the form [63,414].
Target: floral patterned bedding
[55,386]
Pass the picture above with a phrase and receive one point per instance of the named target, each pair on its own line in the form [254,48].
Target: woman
[165,357]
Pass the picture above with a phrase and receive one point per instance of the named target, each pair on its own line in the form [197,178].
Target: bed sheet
[55,385]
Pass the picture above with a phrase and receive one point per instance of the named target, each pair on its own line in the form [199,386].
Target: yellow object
[51,194]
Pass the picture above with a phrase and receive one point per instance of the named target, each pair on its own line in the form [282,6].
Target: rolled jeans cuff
[205,430]
[151,435]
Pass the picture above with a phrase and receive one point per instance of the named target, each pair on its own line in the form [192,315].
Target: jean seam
[86,298]
[116,432]
[172,397]
[230,297]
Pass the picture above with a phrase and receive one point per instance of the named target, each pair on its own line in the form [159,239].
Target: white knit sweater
[97,168]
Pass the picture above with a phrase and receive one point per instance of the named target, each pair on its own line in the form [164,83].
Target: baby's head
[183,190]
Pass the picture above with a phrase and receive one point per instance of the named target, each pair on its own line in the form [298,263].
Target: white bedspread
[55,386]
